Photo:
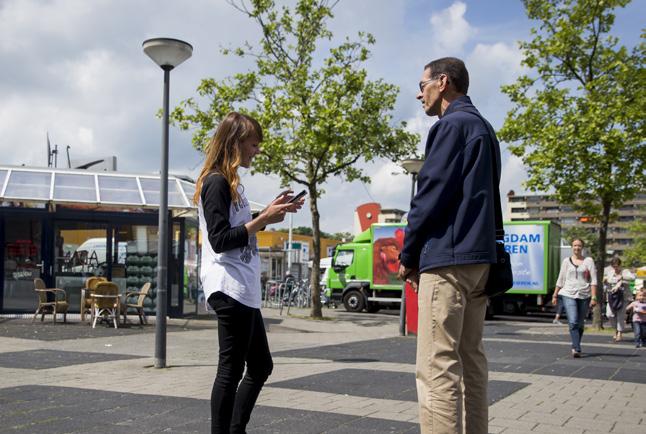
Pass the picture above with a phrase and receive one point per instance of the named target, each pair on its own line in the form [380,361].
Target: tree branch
[338,168]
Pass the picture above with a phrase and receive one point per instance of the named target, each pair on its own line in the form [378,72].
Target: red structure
[411,310]
[368,214]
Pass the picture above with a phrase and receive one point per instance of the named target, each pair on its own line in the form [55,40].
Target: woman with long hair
[577,284]
[230,269]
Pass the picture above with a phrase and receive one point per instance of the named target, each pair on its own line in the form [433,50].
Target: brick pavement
[534,382]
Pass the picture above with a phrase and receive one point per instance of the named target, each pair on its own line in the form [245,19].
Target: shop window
[22,263]
[191,263]
[80,252]
[135,261]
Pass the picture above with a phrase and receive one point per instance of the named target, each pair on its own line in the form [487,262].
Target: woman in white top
[577,285]
[230,269]
[618,295]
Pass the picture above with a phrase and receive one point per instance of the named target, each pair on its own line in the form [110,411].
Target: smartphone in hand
[298,196]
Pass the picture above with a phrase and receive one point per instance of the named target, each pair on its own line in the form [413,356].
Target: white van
[94,251]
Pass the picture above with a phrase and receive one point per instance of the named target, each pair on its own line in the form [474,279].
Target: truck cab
[364,272]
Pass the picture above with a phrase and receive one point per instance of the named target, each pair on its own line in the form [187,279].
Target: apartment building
[546,207]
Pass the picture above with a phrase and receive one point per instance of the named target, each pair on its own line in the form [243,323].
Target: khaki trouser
[452,308]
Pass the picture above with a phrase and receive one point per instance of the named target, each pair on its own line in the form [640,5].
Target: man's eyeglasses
[422,84]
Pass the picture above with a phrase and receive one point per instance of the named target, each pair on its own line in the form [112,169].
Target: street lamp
[412,166]
[167,53]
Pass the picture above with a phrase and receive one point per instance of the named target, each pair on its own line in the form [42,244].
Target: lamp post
[167,53]
[412,166]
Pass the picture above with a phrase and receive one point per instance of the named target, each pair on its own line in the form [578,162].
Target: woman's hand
[275,212]
[593,302]
[283,199]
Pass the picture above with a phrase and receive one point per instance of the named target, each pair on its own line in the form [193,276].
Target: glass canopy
[81,186]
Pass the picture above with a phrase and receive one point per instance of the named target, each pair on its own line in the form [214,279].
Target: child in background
[638,307]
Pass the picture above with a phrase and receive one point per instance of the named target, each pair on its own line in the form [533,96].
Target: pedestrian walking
[618,295]
[638,309]
[230,270]
[577,284]
[560,310]
[449,245]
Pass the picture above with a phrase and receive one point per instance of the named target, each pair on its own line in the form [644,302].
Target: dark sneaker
[576,354]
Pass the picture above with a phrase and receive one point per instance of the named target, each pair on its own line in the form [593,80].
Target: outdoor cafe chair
[86,300]
[138,305]
[54,305]
[105,302]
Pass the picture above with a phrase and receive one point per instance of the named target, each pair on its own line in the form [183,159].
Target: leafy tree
[635,255]
[589,236]
[321,117]
[299,230]
[342,236]
[578,118]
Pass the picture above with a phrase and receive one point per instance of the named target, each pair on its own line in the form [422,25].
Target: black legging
[242,337]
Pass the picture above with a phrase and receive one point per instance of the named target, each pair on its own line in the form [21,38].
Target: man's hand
[410,275]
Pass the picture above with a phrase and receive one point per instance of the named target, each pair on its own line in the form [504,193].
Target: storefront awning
[66,186]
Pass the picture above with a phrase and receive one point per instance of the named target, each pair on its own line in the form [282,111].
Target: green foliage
[346,237]
[305,230]
[577,121]
[589,236]
[300,230]
[636,255]
[320,118]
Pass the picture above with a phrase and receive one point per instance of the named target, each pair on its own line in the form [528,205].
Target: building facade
[274,250]
[546,207]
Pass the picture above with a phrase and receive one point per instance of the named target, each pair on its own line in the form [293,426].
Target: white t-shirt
[234,272]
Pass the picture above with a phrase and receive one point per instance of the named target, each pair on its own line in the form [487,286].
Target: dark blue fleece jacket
[451,219]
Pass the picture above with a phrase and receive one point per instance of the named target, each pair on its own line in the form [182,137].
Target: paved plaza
[351,373]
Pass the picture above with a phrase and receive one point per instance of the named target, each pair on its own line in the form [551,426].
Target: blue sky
[75,68]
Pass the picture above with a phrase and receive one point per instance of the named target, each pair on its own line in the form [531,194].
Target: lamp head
[412,165]
[167,52]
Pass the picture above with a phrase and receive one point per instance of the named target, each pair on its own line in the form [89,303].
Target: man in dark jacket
[448,248]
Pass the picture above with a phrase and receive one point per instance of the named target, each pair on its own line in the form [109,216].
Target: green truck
[364,272]
[363,275]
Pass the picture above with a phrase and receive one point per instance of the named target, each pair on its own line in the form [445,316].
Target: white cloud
[389,181]
[420,124]
[26,24]
[86,136]
[75,68]
[513,175]
[450,31]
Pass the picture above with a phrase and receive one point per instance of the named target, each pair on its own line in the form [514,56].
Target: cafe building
[65,225]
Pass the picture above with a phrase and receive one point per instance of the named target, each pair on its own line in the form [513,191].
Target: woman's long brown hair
[223,151]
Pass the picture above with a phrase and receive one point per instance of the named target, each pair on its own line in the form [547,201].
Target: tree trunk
[315,277]
[597,319]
